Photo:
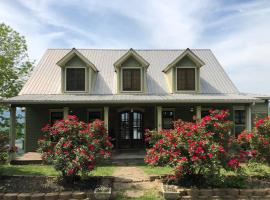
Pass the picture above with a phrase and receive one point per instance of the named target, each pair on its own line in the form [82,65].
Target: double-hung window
[75,79]
[131,80]
[167,118]
[239,121]
[185,79]
[56,115]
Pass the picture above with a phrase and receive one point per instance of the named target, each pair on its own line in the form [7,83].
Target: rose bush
[195,149]
[255,144]
[73,146]
[3,147]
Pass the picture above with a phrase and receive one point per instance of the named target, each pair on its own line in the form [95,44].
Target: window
[185,79]
[93,115]
[131,80]
[75,79]
[239,121]
[167,119]
[56,116]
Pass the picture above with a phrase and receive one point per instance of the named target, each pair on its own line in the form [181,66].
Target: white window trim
[121,82]
[95,110]
[196,81]
[55,110]
[85,80]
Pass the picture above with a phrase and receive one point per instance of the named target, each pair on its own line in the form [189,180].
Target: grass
[48,170]
[150,170]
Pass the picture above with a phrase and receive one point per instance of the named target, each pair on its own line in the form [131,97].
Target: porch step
[127,157]
[27,158]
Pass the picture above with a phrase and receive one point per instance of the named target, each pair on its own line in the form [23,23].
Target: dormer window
[183,73]
[185,79]
[75,79]
[131,80]
[77,73]
[131,69]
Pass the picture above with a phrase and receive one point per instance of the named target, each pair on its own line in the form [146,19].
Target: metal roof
[129,98]
[46,77]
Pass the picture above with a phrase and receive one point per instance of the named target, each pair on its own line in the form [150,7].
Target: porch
[125,123]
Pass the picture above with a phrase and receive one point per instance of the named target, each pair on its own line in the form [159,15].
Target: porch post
[248,120]
[106,117]
[159,118]
[198,112]
[66,110]
[12,132]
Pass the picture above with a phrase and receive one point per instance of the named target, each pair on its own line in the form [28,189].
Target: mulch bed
[43,184]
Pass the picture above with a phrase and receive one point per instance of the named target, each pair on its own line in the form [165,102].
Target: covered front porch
[125,123]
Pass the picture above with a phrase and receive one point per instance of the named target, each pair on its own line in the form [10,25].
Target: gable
[213,78]
[131,62]
[75,61]
[185,61]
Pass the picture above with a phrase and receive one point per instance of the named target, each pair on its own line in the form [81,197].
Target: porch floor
[28,158]
[119,157]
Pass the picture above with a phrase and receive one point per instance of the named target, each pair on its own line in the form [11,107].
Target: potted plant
[103,192]
[170,192]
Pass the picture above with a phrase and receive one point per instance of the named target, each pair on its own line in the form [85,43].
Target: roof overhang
[190,55]
[120,99]
[131,53]
[71,54]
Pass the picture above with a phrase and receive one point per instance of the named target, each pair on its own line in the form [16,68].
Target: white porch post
[106,117]
[248,120]
[159,118]
[66,110]
[198,112]
[12,132]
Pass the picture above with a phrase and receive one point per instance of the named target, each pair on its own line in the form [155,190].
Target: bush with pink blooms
[195,149]
[255,144]
[74,147]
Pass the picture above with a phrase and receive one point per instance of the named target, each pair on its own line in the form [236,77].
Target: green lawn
[150,170]
[47,170]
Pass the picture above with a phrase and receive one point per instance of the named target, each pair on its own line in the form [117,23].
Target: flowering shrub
[73,146]
[256,143]
[194,148]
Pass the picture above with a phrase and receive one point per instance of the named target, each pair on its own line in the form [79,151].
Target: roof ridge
[110,49]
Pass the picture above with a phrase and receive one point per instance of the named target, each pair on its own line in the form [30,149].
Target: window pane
[167,119]
[131,80]
[185,79]
[75,79]
[56,116]
[239,117]
[93,115]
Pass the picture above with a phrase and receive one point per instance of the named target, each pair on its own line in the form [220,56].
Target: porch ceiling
[117,99]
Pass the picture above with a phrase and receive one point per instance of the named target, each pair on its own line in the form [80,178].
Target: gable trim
[70,55]
[188,53]
[128,54]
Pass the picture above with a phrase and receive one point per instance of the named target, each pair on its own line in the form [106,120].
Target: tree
[15,67]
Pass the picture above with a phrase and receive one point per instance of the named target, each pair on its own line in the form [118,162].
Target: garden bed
[42,184]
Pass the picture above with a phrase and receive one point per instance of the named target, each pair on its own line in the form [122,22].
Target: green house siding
[259,110]
[35,119]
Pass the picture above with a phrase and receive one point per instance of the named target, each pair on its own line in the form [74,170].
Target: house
[130,90]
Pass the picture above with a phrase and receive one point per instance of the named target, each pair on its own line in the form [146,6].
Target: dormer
[183,73]
[131,71]
[77,73]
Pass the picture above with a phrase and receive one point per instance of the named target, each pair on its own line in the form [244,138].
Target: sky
[238,32]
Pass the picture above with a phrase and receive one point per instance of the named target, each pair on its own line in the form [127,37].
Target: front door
[131,130]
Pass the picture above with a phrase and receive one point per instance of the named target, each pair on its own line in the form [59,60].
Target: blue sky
[238,32]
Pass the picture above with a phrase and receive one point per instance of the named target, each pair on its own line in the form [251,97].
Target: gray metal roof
[46,78]
[129,98]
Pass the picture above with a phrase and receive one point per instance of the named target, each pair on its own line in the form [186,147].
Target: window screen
[93,115]
[131,79]
[75,79]
[56,116]
[167,119]
[239,121]
[185,78]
